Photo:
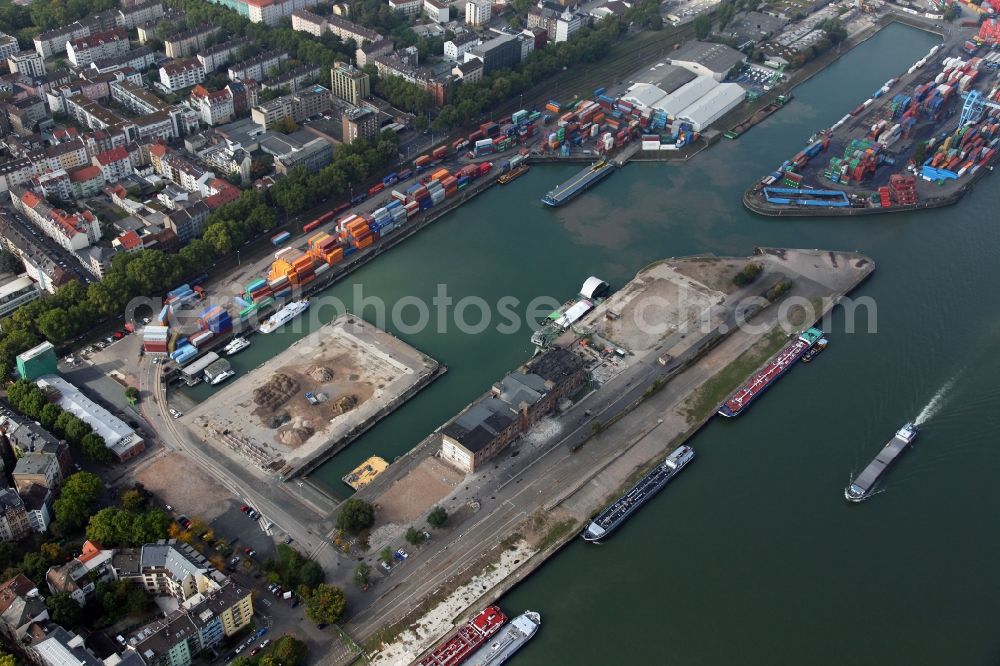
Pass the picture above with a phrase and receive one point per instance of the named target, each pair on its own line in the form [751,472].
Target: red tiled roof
[114,155]
[181,66]
[90,550]
[30,199]
[84,174]
[158,149]
[130,240]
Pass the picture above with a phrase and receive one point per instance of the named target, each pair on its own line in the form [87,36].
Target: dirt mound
[345,404]
[296,434]
[276,391]
[320,373]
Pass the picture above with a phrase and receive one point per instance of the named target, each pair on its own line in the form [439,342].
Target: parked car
[244,508]
[400,555]
[385,565]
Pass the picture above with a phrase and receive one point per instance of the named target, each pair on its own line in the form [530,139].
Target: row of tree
[399,92]
[27,398]
[74,310]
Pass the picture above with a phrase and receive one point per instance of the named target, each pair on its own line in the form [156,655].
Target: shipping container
[311,226]
[375,189]
[439,153]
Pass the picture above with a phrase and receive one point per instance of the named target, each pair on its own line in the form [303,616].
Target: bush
[747,275]
[414,537]
[437,517]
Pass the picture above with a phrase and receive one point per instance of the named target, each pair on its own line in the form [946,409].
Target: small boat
[815,350]
[235,346]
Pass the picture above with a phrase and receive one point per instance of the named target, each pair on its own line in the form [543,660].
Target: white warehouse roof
[686,95]
[644,95]
[712,106]
[118,436]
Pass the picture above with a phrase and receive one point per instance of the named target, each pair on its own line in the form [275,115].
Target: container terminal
[863,486]
[920,141]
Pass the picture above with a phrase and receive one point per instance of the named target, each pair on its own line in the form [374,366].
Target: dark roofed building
[707,59]
[511,407]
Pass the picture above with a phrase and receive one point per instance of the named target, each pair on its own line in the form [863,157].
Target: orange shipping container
[599,118]
[439,174]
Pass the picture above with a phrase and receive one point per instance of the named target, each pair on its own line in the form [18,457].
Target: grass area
[556,533]
[712,392]
[800,316]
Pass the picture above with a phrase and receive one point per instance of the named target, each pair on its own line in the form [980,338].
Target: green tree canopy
[437,517]
[355,515]
[288,651]
[77,499]
[326,604]
[64,610]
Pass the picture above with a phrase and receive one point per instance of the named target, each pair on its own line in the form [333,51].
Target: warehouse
[705,59]
[686,95]
[712,106]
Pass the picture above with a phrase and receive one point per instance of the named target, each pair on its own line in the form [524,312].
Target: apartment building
[349,83]
[53,42]
[316,25]
[8,45]
[257,68]
[134,16]
[295,78]
[139,59]
[218,55]
[114,164]
[28,63]
[456,48]
[437,11]
[478,12]
[297,107]
[72,231]
[214,108]
[14,523]
[185,43]
[406,7]
[181,74]
[108,44]
[365,54]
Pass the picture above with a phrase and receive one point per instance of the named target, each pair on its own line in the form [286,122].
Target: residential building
[218,55]
[86,182]
[38,360]
[136,98]
[53,42]
[139,59]
[79,577]
[359,123]
[314,24]
[181,74]
[406,7]
[469,71]
[456,48]
[304,20]
[40,264]
[366,53]
[567,24]
[497,53]
[38,505]
[478,12]
[54,185]
[142,12]
[527,44]
[73,231]
[28,63]
[23,436]
[8,45]
[119,437]
[108,44]
[114,164]
[214,108]
[244,94]
[512,406]
[41,469]
[295,78]
[257,68]
[20,606]
[349,83]
[14,523]
[183,44]
[437,11]
[229,158]
[187,222]
[16,292]
[399,64]
[297,107]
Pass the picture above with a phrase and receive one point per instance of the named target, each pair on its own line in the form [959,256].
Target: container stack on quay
[260,293]
[154,339]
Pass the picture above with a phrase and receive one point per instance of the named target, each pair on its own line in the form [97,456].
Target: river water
[752,556]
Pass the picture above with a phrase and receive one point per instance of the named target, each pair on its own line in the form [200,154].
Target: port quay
[522,508]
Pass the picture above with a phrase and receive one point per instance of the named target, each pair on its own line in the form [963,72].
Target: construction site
[314,398]
[919,141]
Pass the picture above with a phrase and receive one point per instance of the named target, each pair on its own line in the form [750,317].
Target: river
[752,556]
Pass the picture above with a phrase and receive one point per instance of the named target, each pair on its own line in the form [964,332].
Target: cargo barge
[469,638]
[366,472]
[513,174]
[758,117]
[590,176]
[519,631]
[766,376]
[862,487]
[615,515]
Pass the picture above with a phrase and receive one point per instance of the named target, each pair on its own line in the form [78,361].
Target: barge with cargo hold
[513,174]
[512,638]
[459,647]
[590,176]
[766,376]
[615,515]
[861,488]
[762,114]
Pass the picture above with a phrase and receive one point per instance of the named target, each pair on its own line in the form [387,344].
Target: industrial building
[122,440]
[509,410]
[700,102]
[707,59]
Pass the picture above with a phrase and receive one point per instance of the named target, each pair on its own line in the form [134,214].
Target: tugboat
[815,350]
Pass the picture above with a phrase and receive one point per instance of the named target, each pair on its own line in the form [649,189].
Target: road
[272,498]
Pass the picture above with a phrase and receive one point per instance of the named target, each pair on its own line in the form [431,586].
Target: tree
[361,573]
[76,502]
[437,517]
[132,395]
[414,537]
[702,26]
[94,448]
[6,659]
[355,515]
[311,574]
[63,609]
[9,263]
[288,651]
[132,500]
[326,605]
[50,413]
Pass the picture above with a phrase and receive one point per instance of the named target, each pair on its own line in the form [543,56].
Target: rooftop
[116,433]
[716,57]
